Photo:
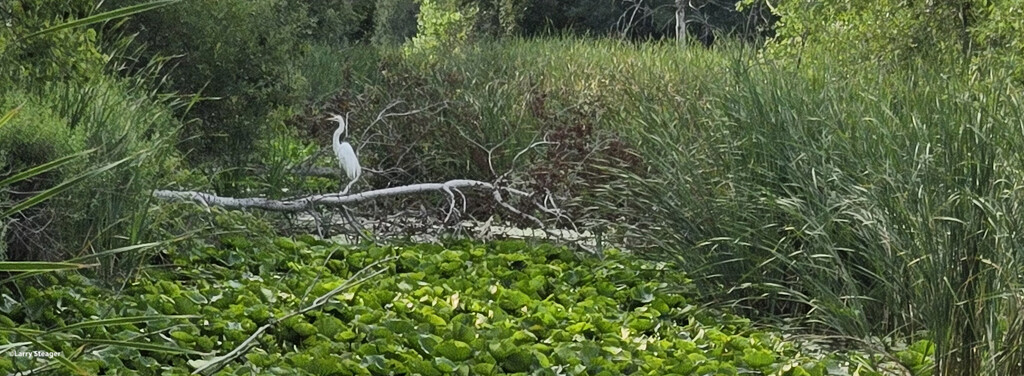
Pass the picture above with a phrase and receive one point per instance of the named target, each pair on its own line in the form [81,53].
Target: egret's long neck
[338,132]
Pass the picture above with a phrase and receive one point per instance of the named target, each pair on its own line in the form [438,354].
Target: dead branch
[329,200]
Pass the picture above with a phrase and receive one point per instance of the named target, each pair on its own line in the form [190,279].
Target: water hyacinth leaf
[642,294]
[455,350]
[374,363]
[427,343]
[519,361]
[444,365]
[579,328]
[399,326]
[286,244]
[758,358]
[511,300]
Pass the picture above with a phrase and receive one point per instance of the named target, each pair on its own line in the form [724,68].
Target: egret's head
[338,118]
[341,123]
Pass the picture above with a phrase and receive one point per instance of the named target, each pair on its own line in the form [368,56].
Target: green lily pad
[454,350]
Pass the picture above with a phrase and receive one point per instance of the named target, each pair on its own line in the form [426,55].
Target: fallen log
[329,200]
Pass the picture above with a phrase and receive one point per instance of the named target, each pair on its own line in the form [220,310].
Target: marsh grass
[864,202]
[872,206]
[123,121]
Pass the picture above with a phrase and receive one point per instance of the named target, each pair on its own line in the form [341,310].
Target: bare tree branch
[329,200]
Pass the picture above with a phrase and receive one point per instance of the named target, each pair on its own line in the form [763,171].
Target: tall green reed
[121,120]
[868,204]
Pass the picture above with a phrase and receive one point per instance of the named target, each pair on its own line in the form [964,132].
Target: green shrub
[335,22]
[64,55]
[442,25]
[394,22]
[329,70]
[886,31]
[984,35]
[510,15]
[121,120]
[999,34]
[238,55]
[69,110]
[36,134]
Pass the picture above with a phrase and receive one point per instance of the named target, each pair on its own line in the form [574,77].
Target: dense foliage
[983,33]
[238,55]
[859,174]
[497,308]
[59,102]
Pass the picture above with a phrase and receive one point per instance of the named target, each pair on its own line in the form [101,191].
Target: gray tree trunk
[681,20]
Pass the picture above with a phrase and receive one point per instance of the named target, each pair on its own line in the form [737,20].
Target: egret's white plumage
[343,150]
[347,159]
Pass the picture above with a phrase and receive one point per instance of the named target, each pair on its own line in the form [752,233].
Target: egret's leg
[344,190]
[347,187]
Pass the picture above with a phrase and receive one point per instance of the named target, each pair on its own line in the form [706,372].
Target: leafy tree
[60,55]
[890,31]
[338,21]
[999,35]
[638,19]
[981,34]
[237,55]
[394,21]
[442,26]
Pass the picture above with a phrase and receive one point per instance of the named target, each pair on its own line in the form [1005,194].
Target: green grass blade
[117,251]
[120,321]
[105,16]
[143,346]
[23,331]
[50,193]
[9,346]
[38,266]
[43,168]
[92,256]
[8,116]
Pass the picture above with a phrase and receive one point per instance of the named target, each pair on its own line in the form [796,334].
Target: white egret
[343,150]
